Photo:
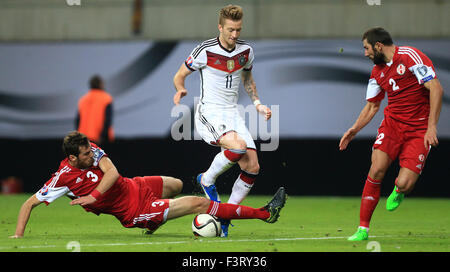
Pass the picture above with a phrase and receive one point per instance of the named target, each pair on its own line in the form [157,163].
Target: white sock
[219,165]
[241,188]
[239,192]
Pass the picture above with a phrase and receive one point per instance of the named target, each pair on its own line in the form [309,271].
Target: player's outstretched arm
[109,178]
[436,93]
[178,82]
[24,215]
[250,88]
[366,115]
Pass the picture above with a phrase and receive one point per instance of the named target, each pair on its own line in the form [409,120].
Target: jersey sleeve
[197,59]
[98,153]
[374,92]
[419,64]
[249,65]
[48,194]
[55,187]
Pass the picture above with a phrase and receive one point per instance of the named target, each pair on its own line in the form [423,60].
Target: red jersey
[402,79]
[74,182]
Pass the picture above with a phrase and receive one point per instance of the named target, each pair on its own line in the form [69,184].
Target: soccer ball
[206,225]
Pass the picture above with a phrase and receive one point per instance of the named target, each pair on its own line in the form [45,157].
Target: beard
[85,164]
[378,57]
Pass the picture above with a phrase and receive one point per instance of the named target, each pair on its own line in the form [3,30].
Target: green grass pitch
[307,224]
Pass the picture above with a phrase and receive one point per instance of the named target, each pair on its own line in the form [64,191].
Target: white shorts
[212,124]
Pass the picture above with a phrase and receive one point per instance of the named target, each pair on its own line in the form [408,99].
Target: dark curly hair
[73,141]
[377,34]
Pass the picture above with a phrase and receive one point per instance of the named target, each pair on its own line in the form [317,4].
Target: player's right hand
[346,138]
[83,201]
[430,137]
[178,95]
[264,110]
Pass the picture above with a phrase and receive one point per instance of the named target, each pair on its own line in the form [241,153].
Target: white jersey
[220,71]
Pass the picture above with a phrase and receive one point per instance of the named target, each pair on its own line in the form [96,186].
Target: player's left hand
[84,200]
[264,110]
[430,137]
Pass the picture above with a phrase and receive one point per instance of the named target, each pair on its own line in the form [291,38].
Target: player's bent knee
[172,186]
[232,140]
[178,185]
[241,144]
[406,186]
[253,168]
[376,172]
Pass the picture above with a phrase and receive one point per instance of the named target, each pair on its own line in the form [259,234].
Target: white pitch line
[214,240]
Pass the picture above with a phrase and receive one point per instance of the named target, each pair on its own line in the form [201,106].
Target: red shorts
[404,142]
[150,210]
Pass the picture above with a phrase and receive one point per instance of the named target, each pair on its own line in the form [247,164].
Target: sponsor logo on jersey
[401,69]
[145,217]
[238,211]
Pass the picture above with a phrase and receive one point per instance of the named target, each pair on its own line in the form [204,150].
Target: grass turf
[307,224]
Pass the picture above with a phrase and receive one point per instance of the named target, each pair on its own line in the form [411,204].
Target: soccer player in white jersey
[222,63]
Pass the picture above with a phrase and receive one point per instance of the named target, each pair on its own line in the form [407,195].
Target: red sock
[233,211]
[369,200]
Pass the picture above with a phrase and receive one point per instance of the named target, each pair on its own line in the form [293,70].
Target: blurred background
[309,62]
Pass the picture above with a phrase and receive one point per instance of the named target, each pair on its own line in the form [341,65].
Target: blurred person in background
[95,113]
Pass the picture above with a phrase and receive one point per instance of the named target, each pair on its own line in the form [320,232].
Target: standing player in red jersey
[91,180]
[409,127]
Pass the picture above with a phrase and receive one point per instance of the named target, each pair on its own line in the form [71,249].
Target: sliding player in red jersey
[409,127]
[91,180]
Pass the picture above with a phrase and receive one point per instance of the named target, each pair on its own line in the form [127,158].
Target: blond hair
[232,12]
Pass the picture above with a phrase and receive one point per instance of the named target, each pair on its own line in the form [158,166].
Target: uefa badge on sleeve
[189,61]
[44,190]
[422,70]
